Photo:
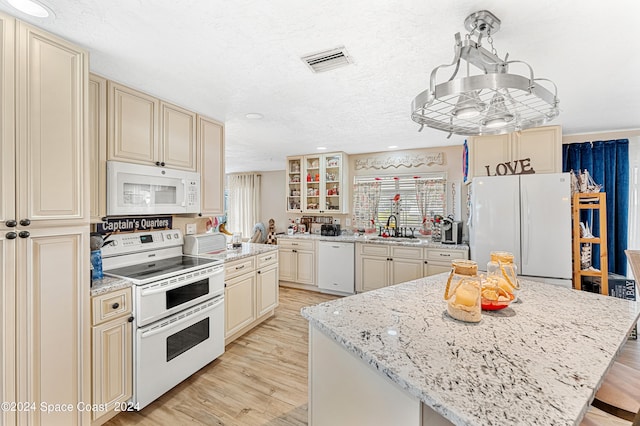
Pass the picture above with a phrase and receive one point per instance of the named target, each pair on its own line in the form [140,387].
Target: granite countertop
[108,284]
[538,361]
[409,242]
[247,250]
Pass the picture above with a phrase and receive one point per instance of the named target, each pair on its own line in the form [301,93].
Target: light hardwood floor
[261,379]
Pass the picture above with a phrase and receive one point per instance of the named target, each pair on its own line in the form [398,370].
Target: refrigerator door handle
[527,229]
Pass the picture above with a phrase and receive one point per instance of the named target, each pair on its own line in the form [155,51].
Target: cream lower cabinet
[112,352]
[297,261]
[438,260]
[379,265]
[251,293]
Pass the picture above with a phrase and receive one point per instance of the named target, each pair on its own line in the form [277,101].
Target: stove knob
[114,243]
[175,236]
[168,236]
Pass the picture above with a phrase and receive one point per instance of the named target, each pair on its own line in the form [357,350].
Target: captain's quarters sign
[130,224]
[408,160]
[516,167]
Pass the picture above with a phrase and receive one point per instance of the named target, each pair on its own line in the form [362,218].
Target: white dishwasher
[336,267]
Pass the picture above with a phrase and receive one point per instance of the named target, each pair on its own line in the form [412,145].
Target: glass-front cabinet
[323,187]
[294,184]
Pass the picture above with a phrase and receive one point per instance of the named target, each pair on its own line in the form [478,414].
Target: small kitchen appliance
[451,231]
[212,243]
[330,230]
[178,308]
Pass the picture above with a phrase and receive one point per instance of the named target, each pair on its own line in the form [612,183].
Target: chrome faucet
[395,224]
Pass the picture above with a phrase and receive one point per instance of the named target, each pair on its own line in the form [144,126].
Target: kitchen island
[394,356]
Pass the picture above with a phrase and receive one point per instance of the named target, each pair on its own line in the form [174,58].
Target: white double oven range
[178,308]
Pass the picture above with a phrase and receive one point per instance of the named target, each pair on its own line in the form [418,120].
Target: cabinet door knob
[259,272]
[115,305]
[162,164]
[157,163]
[23,234]
[11,235]
[130,319]
[25,222]
[11,223]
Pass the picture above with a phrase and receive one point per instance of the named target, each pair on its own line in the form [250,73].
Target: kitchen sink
[396,239]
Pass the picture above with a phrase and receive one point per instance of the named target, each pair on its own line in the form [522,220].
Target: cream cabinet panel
[543,145]
[7,120]
[488,151]
[406,270]
[433,269]
[240,303]
[178,137]
[7,325]
[306,267]
[133,125]
[267,289]
[53,335]
[374,273]
[211,166]
[112,364]
[97,123]
[288,261]
[51,97]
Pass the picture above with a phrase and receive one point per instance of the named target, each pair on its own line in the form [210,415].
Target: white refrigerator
[527,215]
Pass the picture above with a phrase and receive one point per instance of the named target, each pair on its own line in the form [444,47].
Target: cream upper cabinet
[145,130]
[543,145]
[485,152]
[97,122]
[133,125]
[50,136]
[536,150]
[210,137]
[318,183]
[7,120]
[44,253]
[178,137]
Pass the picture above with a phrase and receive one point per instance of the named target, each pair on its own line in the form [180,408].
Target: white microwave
[134,189]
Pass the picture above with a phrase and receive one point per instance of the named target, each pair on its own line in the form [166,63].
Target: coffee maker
[451,231]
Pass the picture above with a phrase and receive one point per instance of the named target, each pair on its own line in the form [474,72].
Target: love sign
[516,167]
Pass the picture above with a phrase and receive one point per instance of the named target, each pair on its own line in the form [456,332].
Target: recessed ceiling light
[254,116]
[31,7]
[392,146]
[321,148]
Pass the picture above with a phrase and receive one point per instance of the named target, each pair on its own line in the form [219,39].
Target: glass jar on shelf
[463,291]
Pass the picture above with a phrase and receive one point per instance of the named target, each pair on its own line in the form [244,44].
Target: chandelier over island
[494,100]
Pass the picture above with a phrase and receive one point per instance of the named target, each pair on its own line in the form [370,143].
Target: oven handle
[160,329]
[162,289]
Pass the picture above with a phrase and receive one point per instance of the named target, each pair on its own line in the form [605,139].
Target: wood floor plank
[261,379]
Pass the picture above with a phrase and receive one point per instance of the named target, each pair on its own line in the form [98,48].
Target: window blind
[407,210]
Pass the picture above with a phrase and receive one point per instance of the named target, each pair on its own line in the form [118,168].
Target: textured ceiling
[225,59]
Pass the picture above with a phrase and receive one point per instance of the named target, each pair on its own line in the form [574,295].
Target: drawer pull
[445,255]
[240,267]
[294,244]
[268,258]
[115,305]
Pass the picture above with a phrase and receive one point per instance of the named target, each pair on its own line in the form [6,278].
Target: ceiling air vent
[328,59]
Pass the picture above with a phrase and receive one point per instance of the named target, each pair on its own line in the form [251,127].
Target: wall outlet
[191,228]
[336,221]
[347,222]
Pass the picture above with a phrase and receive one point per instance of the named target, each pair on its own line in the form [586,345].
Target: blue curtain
[608,164]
